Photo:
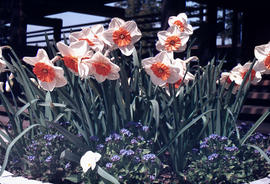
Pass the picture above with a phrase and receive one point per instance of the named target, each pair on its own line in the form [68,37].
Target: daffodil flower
[91,35]
[262,54]
[89,160]
[74,56]
[122,35]
[161,70]
[2,63]
[181,22]
[48,75]
[102,68]
[172,40]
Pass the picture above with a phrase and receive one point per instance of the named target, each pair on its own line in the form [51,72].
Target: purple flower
[214,136]
[125,132]
[94,138]
[107,139]
[68,165]
[31,158]
[134,141]
[100,147]
[256,151]
[137,159]
[115,158]
[117,137]
[145,128]
[150,156]
[152,177]
[231,149]
[49,137]
[264,137]
[213,156]
[233,157]
[268,152]
[204,145]
[130,152]
[140,138]
[109,165]
[123,152]
[48,159]
[223,138]
[195,150]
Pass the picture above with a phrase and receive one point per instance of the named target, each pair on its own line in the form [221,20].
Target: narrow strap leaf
[107,176]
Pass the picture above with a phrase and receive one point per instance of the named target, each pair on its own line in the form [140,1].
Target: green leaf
[254,127]
[261,152]
[74,178]
[183,130]
[68,155]
[13,142]
[23,108]
[107,176]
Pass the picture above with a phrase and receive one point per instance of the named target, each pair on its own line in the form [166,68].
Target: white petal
[162,36]
[127,50]
[159,46]
[116,23]
[97,29]
[40,57]
[260,52]
[171,20]
[64,49]
[108,37]
[79,49]
[48,86]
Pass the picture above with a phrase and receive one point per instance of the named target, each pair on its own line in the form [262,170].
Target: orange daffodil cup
[122,35]
[48,75]
[161,69]
[181,22]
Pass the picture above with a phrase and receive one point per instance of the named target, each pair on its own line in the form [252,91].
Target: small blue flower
[231,149]
[117,137]
[48,159]
[140,138]
[125,132]
[130,152]
[115,158]
[233,157]
[68,165]
[100,147]
[268,152]
[213,156]
[123,152]
[214,136]
[149,156]
[195,150]
[137,159]
[109,165]
[256,151]
[145,128]
[204,145]
[134,141]
[107,139]
[223,138]
[94,138]
[31,158]
[152,177]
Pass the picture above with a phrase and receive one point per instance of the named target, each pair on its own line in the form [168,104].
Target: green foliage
[128,156]
[222,160]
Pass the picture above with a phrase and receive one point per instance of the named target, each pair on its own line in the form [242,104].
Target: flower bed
[110,113]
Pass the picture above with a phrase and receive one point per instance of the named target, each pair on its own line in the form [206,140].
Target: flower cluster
[87,54]
[163,68]
[238,73]
[127,156]
[239,164]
